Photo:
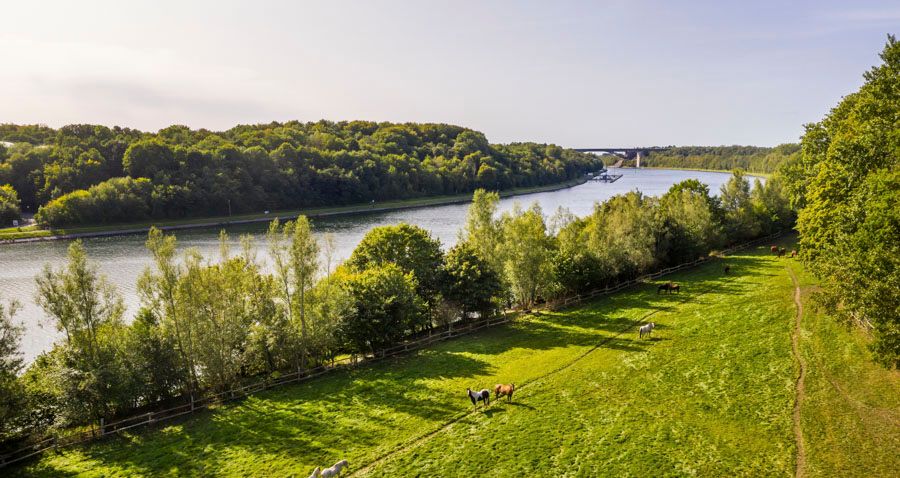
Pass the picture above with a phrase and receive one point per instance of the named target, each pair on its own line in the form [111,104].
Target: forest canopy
[755,159]
[846,186]
[90,174]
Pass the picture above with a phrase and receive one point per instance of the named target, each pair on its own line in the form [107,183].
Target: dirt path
[800,387]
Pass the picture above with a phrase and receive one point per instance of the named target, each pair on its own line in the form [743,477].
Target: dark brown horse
[727,269]
[782,252]
[668,287]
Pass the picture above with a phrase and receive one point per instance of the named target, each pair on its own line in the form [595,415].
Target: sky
[578,74]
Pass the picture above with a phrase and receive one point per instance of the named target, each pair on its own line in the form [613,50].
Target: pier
[603,176]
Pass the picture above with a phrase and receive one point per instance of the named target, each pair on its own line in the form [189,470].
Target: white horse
[335,470]
[646,329]
[316,473]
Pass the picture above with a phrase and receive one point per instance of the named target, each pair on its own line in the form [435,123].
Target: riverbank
[35,234]
[748,173]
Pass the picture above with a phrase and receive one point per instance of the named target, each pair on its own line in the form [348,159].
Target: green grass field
[711,394]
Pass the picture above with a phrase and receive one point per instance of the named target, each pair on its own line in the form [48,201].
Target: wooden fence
[450,331]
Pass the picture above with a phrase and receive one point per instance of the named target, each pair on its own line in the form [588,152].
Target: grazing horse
[646,329]
[316,473]
[774,249]
[335,469]
[793,253]
[482,396]
[501,390]
[669,287]
[727,269]
[782,252]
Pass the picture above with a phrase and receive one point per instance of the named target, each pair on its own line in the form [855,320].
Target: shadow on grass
[359,410]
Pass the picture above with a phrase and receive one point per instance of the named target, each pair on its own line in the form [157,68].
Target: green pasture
[710,394]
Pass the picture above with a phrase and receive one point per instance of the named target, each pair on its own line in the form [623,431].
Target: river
[123,258]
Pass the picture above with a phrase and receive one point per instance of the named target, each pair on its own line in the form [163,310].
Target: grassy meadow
[711,393]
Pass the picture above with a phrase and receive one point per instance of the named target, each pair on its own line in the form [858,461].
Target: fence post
[192,402]
[102,426]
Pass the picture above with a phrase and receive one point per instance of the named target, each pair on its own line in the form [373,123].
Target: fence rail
[453,330]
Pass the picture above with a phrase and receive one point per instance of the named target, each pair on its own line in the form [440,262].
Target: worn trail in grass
[711,393]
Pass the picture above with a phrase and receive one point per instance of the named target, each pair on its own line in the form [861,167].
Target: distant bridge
[625,153]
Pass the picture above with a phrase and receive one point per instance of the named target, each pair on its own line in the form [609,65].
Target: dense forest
[90,174]
[754,159]
[846,186]
[206,326]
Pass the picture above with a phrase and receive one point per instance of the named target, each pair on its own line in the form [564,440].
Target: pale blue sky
[617,73]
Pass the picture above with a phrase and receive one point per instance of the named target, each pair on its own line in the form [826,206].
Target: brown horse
[727,269]
[793,253]
[503,389]
[669,287]
[774,249]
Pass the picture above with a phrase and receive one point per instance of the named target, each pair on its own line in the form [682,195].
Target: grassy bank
[711,394]
[749,173]
[28,233]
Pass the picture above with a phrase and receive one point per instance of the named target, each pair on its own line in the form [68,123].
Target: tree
[11,393]
[159,291]
[623,234]
[385,307]
[9,205]
[741,222]
[469,282]
[88,309]
[224,301]
[846,184]
[148,158]
[409,247]
[690,224]
[526,253]
[295,254]
[481,230]
[151,360]
[771,205]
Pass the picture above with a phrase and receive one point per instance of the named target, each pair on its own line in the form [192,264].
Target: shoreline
[41,235]
[747,173]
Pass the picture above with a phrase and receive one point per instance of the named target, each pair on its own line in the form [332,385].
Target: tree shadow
[352,413]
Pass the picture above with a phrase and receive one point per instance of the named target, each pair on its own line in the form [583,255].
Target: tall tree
[159,291]
[11,398]
[88,309]
[526,253]
[847,188]
[9,205]
[740,219]
[469,282]
[295,255]
[409,247]
[481,230]
[385,307]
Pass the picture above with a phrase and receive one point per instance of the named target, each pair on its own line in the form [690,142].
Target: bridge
[624,153]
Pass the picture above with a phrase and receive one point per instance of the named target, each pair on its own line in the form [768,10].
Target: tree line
[846,186]
[206,326]
[754,159]
[91,174]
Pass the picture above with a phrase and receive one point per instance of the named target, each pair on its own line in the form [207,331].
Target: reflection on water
[123,258]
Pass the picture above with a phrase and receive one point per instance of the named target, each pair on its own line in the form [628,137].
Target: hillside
[711,393]
[92,174]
